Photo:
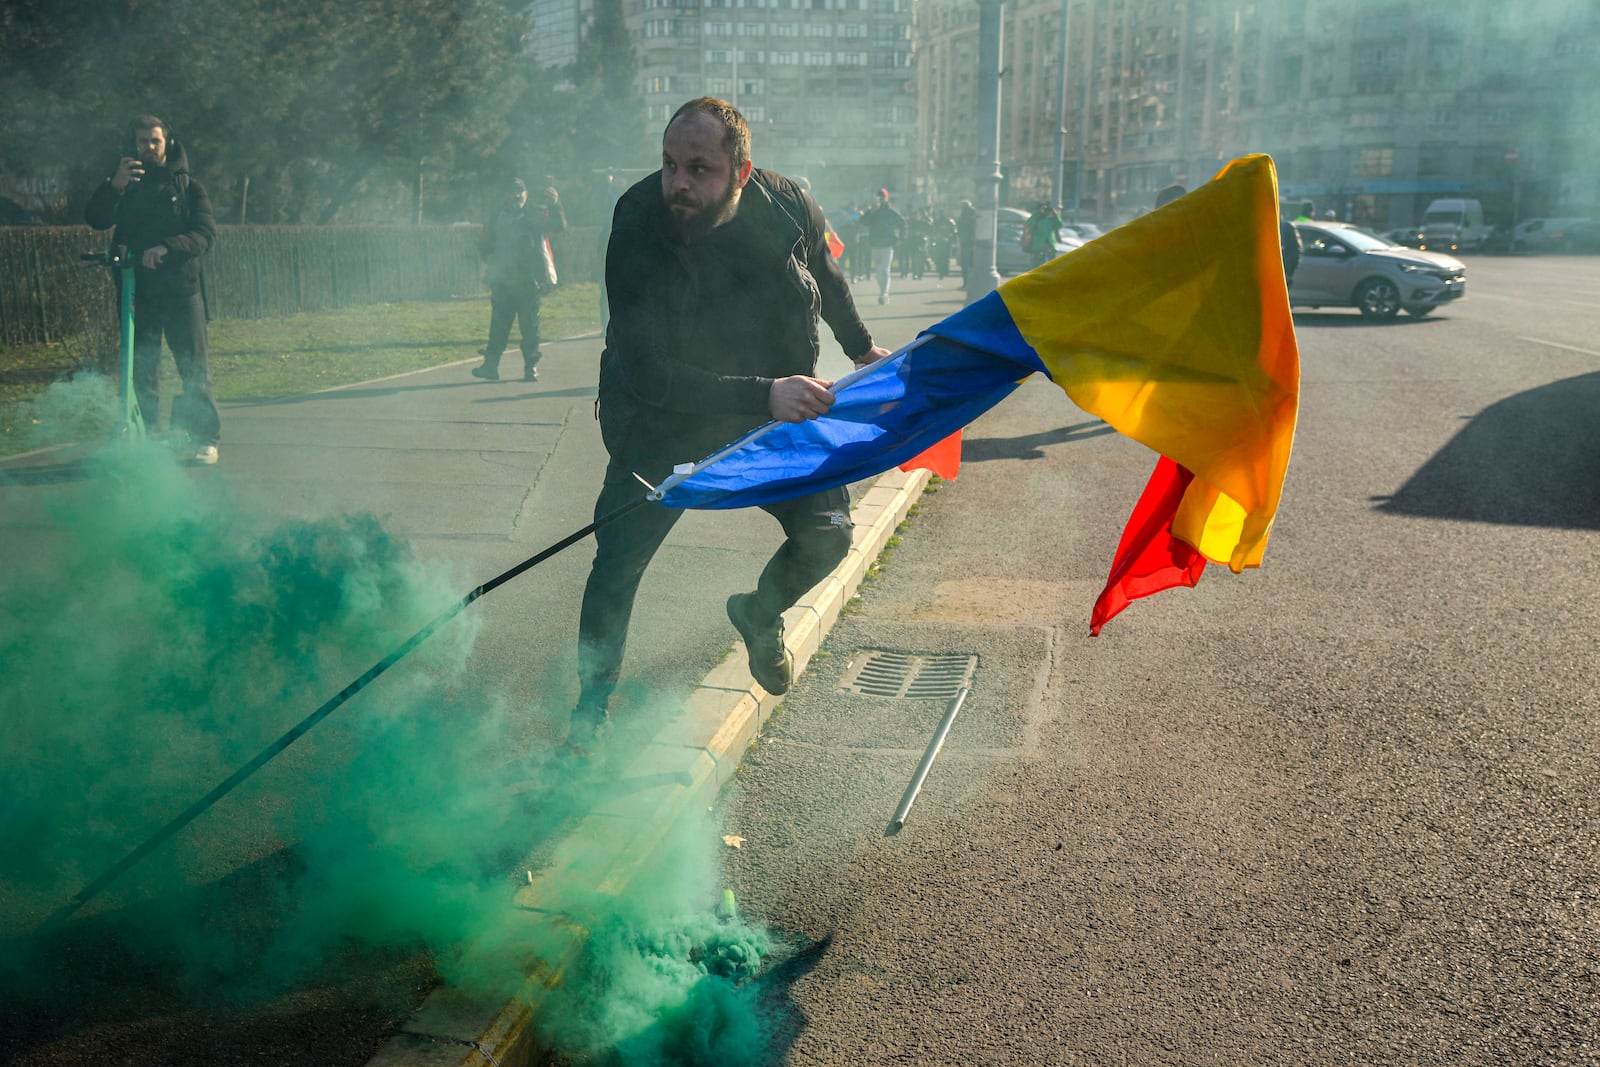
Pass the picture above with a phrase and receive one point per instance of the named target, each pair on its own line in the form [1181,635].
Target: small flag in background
[835,246]
[1175,329]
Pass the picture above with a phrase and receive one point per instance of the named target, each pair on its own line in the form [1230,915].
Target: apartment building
[1370,107]
[827,85]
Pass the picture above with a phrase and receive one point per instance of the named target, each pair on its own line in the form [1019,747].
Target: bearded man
[717,273]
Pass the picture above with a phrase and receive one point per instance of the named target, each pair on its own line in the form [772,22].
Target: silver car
[1346,266]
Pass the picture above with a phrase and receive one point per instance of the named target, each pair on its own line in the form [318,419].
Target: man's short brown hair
[148,122]
[735,131]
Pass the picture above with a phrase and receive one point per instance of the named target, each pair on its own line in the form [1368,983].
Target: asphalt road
[1341,810]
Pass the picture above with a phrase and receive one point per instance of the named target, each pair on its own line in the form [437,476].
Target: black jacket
[699,332]
[165,207]
[512,245]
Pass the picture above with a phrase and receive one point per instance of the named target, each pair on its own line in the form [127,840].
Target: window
[1372,163]
[819,59]
[785,29]
[819,29]
[853,30]
[784,59]
[719,29]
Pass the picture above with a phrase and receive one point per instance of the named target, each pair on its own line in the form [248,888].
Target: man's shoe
[530,374]
[588,728]
[206,454]
[770,662]
[488,374]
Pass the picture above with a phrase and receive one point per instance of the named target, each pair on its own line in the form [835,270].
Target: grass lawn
[261,359]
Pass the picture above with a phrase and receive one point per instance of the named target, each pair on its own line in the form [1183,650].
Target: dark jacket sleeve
[640,285]
[201,232]
[838,306]
[101,211]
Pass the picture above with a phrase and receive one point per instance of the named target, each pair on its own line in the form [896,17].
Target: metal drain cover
[877,672]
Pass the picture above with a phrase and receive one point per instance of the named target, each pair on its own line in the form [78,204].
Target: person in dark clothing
[1289,238]
[163,218]
[513,254]
[966,236]
[884,228]
[717,274]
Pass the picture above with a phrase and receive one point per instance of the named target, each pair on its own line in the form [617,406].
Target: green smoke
[664,980]
[163,632]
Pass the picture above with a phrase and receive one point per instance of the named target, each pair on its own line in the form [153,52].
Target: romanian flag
[1174,329]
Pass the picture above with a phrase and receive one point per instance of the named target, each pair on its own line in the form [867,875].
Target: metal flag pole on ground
[898,820]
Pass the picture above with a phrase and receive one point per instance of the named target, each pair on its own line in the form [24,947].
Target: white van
[1454,226]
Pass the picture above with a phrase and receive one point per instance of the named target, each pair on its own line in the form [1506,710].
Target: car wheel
[1378,298]
[1418,311]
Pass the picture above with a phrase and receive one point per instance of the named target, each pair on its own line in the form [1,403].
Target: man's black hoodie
[165,207]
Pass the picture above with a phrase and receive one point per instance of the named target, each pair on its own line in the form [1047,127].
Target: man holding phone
[163,217]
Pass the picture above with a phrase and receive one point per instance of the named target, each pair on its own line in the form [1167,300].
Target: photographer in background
[163,217]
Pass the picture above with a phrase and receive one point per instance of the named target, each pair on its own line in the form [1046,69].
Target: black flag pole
[305,725]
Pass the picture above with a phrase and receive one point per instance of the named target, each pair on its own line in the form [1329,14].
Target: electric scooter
[132,425]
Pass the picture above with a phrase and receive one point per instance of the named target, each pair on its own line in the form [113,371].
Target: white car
[1346,266]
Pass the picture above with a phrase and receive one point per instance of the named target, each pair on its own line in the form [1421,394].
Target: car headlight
[1420,268]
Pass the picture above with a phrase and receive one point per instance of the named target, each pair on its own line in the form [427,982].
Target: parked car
[1406,236]
[1086,231]
[1553,235]
[1454,225]
[1346,266]
[1009,255]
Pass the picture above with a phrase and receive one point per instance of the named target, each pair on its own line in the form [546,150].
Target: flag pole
[305,725]
[684,471]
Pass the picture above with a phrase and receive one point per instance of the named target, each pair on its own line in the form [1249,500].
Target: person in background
[884,228]
[966,236]
[1289,239]
[513,253]
[1043,231]
[718,273]
[164,219]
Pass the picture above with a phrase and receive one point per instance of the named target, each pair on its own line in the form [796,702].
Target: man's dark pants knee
[817,528]
[182,321]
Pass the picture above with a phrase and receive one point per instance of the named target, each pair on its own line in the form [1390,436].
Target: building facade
[827,85]
[1370,108]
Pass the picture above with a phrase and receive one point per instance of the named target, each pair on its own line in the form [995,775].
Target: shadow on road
[1344,320]
[115,988]
[1029,446]
[1532,459]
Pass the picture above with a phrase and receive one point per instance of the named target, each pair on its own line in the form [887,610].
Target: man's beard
[708,217]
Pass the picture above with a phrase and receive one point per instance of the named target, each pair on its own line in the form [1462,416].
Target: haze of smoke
[83,409]
[664,981]
[174,634]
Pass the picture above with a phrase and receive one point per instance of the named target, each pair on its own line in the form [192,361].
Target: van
[1454,225]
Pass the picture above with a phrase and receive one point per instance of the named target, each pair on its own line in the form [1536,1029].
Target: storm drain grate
[875,672]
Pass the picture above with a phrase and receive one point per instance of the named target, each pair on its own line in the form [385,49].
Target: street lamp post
[1060,175]
[983,277]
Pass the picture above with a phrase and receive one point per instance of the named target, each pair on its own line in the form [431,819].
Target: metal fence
[47,294]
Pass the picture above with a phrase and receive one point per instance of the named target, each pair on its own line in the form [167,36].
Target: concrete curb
[692,756]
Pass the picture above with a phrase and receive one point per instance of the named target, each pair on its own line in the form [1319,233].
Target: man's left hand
[798,398]
[871,355]
[154,256]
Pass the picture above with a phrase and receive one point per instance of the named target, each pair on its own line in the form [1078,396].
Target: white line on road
[1557,344]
